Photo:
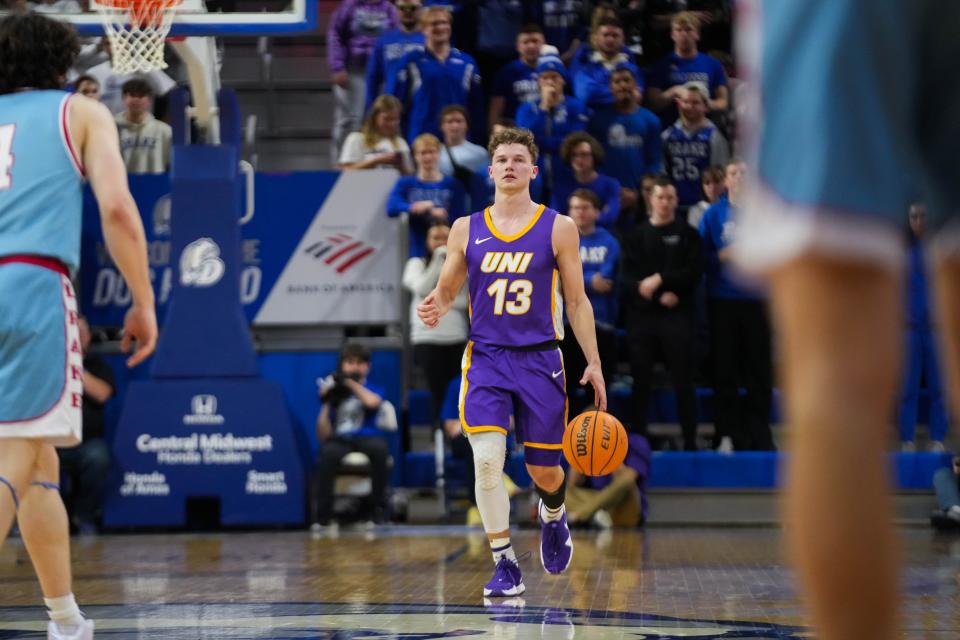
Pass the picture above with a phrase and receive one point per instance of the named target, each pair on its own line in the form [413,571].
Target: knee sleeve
[13,492]
[489,454]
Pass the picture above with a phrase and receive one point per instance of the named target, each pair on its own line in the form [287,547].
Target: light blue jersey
[40,178]
[41,360]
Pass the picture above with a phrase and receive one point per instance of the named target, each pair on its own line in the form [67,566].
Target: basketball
[595,443]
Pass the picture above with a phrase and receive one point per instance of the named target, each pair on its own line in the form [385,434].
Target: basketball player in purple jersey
[521,260]
[50,141]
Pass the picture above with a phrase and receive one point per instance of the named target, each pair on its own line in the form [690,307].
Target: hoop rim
[157,5]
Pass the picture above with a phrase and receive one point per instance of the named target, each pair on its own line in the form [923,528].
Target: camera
[334,390]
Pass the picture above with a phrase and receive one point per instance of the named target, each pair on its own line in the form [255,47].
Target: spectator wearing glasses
[440,75]
[582,154]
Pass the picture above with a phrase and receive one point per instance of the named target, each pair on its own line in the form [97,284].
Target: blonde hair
[368,130]
[685,19]
[429,11]
[426,140]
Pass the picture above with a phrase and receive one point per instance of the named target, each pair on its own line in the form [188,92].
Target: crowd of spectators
[634,114]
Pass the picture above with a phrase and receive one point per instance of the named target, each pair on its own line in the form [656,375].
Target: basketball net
[137,30]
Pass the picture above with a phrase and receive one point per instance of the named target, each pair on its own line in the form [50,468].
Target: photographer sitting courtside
[354,417]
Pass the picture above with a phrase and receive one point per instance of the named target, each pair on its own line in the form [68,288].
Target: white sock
[502,548]
[551,515]
[64,612]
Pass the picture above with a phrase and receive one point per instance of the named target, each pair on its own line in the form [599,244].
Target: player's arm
[566,244]
[370,400]
[452,276]
[96,136]
[324,428]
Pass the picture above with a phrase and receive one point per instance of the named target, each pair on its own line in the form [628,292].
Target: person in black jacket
[662,266]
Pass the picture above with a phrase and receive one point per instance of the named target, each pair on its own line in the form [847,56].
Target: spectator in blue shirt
[515,83]
[562,23]
[921,360]
[551,117]
[429,80]
[354,417]
[497,26]
[740,331]
[691,145]
[591,71]
[390,48]
[630,136]
[600,256]
[582,154]
[428,196]
[713,16]
[686,64]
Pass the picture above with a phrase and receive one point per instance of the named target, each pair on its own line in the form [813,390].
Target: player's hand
[600,284]
[669,299]
[341,79]
[140,324]
[421,206]
[594,376]
[429,310]
[649,285]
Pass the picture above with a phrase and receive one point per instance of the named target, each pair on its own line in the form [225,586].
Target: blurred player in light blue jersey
[48,141]
[859,107]
[520,261]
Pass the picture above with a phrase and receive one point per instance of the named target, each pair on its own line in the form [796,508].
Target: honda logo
[203,410]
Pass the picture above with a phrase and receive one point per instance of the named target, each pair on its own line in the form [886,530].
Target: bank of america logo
[203,409]
[340,251]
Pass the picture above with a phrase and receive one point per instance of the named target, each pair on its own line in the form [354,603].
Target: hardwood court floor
[420,583]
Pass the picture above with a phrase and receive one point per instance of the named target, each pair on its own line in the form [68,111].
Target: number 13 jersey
[514,282]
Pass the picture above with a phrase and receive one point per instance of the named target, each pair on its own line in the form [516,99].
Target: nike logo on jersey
[556,374]
[479,241]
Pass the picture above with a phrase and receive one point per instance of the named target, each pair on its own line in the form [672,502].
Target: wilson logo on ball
[595,443]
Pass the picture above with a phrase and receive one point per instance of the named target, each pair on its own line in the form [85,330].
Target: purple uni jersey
[515,297]
[512,364]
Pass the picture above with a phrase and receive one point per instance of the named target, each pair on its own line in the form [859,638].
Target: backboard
[195,17]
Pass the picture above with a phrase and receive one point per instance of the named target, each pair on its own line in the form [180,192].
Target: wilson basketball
[595,443]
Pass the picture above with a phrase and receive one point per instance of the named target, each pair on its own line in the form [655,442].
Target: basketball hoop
[137,30]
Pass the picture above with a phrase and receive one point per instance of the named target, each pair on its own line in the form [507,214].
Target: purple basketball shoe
[556,545]
[507,580]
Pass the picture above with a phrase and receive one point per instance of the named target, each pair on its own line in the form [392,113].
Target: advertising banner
[319,249]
